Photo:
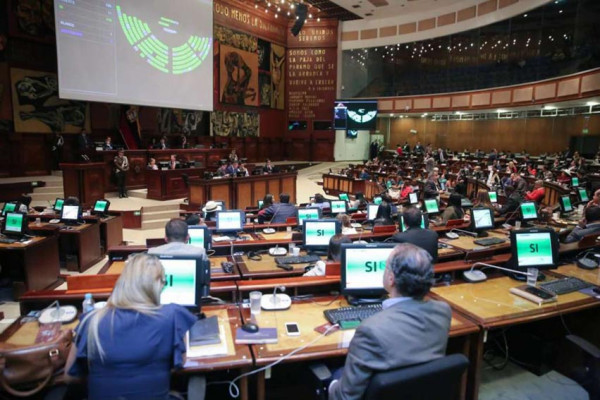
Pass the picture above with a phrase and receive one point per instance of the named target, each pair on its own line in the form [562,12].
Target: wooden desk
[592,276]
[205,156]
[111,231]
[169,184]
[84,181]
[79,244]
[467,243]
[309,314]
[267,267]
[33,265]
[335,184]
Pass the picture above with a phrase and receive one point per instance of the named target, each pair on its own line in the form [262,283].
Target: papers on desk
[208,350]
[221,239]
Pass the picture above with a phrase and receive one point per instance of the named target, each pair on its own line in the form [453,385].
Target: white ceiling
[404,8]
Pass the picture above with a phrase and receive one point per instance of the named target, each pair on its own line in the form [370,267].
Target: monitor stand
[317,252]
[523,278]
[361,301]
[481,234]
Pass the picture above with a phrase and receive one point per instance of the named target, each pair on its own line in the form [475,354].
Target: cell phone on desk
[292,329]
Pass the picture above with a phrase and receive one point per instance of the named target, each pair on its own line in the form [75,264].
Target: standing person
[173,161]
[85,144]
[107,145]
[57,147]
[233,157]
[107,349]
[121,168]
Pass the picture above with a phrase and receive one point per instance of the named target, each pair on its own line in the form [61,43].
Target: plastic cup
[255,302]
[291,247]
[517,224]
[296,251]
[532,275]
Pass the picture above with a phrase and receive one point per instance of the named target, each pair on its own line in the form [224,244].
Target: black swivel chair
[580,361]
[438,379]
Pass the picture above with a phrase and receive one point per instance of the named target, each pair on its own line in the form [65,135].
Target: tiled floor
[512,383]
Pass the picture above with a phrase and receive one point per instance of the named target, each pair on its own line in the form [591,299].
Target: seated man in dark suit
[278,213]
[431,190]
[414,234]
[590,224]
[408,331]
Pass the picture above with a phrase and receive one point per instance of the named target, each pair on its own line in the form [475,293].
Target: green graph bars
[179,60]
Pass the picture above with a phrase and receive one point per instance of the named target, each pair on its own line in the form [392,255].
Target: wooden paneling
[467,13]
[244,196]
[535,135]
[405,29]
[426,24]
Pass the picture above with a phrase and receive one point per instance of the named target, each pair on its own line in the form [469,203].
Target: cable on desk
[234,390]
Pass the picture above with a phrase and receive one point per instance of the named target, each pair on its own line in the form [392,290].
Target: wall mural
[37,108]
[238,76]
[188,122]
[277,76]
[224,123]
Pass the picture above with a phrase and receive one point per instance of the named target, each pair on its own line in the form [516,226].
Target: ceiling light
[549,108]
[592,103]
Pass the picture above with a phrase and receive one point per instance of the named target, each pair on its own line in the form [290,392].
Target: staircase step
[154,223]
[46,196]
[48,189]
[148,216]
[162,207]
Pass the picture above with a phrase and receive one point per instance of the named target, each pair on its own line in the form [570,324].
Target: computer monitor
[58,204]
[413,198]
[574,181]
[339,207]
[377,200]
[9,207]
[308,213]
[344,196]
[424,222]
[565,204]
[534,248]
[199,236]
[70,214]
[187,280]
[482,218]
[317,233]
[466,203]
[583,196]
[431,206]
[15,224]
[260,203]
[493,197]
[101,207]
[362,267]
[230,221]
[372,211]
[528,211]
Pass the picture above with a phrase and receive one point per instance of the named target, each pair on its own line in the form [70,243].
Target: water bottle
[88,303]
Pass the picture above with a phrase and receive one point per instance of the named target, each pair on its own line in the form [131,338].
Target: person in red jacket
[537,194]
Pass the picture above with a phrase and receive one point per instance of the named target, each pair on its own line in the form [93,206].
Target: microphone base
[280,301]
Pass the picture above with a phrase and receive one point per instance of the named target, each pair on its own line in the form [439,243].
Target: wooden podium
[85,181]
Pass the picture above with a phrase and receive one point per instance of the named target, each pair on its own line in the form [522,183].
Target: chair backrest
[438,379]
[384,229]
[455,222]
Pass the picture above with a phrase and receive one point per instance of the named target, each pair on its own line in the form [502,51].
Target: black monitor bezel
[15,209]
[562,204]
[473,227]
[360,292]
[202,275]
[338,230]
[369,206]
[521,211]
[70,221]
[490,197]
[513,247]
[579,189]
[301,220]
[344,194]
[56,201]
[94,212]
[427,210]
[24,225]
[338,201]
[207,235]
[242,216]
[415,195]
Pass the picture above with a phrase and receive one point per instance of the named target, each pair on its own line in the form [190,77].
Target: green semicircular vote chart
[171,60]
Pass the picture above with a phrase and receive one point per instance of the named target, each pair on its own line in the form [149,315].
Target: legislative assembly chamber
[300,199]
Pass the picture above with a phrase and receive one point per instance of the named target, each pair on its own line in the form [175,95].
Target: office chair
[580,361]
[438,379]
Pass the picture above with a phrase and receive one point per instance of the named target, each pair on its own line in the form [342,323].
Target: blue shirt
[139,352]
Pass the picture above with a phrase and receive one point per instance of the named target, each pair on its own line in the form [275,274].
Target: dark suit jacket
[578,233]
[407,333]
[430,191]
[278,213]
[424,238]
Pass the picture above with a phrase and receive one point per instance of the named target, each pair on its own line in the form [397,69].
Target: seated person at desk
[421,326]
[267,201]
[454,209]
[210,210]
[152,164]
[345,221]
[414,234]
[24,204]
[483,200]
[319,201]
[538,192]
[278,213]
[107,145]
[359,201]
[177,238]
[173,161]
[519,184]
[564,178]
[513,201]
[364,174]
[589,225]
[162,145]
[268,168]
[233,169]
[384,215]
[334,253]
[595,201]
[221,171]
[107,349]
[405,190]
[243,171]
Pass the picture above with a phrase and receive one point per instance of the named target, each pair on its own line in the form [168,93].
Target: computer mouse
[269,231]
[451,235]
[250,327]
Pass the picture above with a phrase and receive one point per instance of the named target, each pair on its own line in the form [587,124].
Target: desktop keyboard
[8,240]
[359,313]
[565,285]
[489,241]
[310,258]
